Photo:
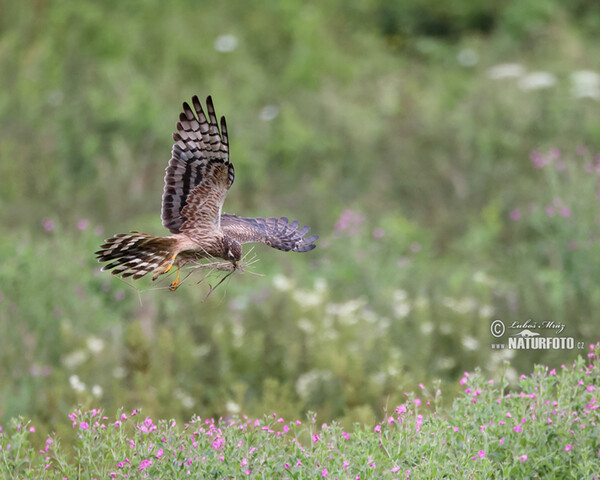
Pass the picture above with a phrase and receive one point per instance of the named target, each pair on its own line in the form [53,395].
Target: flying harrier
[197,179]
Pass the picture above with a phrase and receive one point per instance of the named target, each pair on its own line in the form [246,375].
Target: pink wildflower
[401,410]
[48,225]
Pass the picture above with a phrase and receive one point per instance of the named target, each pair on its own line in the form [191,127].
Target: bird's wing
[275,232]
[199,172]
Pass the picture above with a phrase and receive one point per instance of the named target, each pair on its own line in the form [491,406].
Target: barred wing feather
[198,156]
[275,232]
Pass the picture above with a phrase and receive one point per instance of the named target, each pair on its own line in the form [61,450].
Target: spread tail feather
[136,254]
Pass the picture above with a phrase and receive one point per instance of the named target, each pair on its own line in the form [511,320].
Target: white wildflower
[537,81]
[445,363]
[467,57]
[97,391]
[232,407]
[95,345]
[585,84]
[307,299]
[311,382]
[306,326]
[486,311]
[401,306]
[226,43]
[269,113]
[506,70]
[238,332]
[239,304]
[74,359]
[371,317]
[320,285]
[426,328]
[384,322]
[462,306]
[186,400]
[76,384]
[282,283]
[344,309]
[470,343]
[201,350]
[483,278]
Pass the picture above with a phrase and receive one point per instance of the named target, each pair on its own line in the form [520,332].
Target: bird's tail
[136,254]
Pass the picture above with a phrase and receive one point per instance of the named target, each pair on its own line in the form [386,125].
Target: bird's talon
[175,283]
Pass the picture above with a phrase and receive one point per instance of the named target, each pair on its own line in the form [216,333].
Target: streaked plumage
[197,179]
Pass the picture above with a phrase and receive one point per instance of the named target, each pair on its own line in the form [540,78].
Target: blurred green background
[445,152]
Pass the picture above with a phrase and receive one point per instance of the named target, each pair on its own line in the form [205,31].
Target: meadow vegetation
[447,156]
[545,427]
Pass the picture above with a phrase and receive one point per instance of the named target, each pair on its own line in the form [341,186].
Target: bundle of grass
[215,266]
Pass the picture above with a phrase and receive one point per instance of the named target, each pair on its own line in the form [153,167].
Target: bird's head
[233,251]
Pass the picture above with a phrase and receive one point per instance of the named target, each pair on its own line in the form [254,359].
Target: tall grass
[400,146]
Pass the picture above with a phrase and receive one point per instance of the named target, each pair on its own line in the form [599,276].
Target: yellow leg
[175,283]
[170,264]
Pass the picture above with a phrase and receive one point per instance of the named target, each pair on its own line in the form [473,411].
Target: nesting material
[218,265]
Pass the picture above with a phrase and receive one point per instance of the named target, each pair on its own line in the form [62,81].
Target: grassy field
[447,156]
[547,426]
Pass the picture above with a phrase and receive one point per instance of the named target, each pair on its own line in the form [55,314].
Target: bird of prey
[197,179]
